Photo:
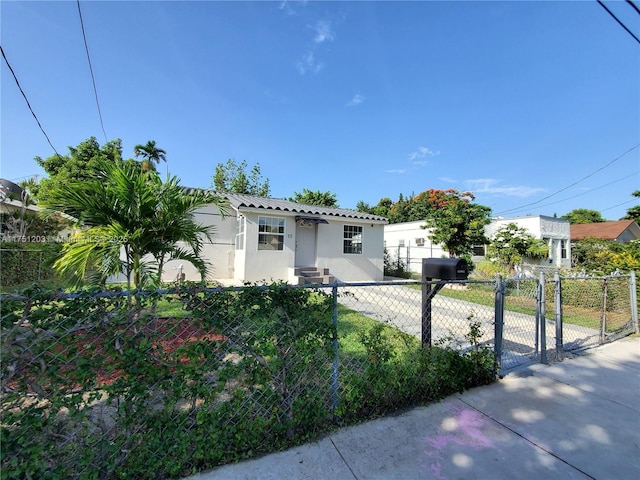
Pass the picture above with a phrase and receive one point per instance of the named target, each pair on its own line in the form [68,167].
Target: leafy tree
[315,197]
[454,220]
[232,177]
[511,244]
[633,213]
[382,209]
[602,257]
[125,209]
[82,163]
[150,154]
[583,215]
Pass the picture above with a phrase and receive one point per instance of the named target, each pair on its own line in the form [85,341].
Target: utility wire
[619,22]
[569,186]
[618,205]
[27,100]
[634,6]
[583,193]
[93,80]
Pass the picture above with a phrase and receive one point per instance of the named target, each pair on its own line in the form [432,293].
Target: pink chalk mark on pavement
[468,432]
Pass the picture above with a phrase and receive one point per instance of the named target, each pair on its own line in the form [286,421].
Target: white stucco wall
[351,267]
[219,252]
[403,239]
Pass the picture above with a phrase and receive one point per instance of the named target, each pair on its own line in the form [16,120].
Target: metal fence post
[558,302]
[334,371]
[633,295]
[542,322]
[426,310]
[499,322]
[603,318]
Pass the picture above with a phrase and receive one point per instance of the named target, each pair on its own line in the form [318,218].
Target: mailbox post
[444,269]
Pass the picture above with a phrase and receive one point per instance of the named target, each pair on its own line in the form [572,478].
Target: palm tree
[151,155]
[133,223]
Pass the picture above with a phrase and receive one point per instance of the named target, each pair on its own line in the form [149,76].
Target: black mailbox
[445,268]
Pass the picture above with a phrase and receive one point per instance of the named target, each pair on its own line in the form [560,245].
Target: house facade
[266,239]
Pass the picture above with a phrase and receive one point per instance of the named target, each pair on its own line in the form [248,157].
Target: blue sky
[529,105]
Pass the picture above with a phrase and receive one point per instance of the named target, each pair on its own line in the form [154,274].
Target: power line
[27,100]
[619,22]
[569,186]
[581,194]
[634,6]
[618,205]
[93,80]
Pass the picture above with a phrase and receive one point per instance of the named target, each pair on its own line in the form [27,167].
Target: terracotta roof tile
[601,230]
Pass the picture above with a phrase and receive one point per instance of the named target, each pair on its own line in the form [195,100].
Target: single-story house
[621,231]
[554,231]
[268,239]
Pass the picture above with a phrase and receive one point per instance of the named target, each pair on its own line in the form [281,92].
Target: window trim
[241,228]
[349,246]
[265,230]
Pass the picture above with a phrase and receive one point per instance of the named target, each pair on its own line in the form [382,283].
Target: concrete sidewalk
[576,419]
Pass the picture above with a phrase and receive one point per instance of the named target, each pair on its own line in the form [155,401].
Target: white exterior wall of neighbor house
[555,231]
[411,242]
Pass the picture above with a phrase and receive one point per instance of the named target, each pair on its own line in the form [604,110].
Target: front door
[306,235]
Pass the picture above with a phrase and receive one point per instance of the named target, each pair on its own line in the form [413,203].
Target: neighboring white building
[270,239]
[555,231]
[410,242]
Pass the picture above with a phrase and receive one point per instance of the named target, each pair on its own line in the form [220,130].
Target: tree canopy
[315,197]
[583,215]
[122,208]
[151,155]
[511,244]
[233,177]
[633,213]
[454,220]
[81,163]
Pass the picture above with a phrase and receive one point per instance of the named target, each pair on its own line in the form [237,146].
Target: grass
[525,304]
[352,325]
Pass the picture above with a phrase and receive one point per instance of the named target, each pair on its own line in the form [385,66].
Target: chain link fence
[165,384]
[169,383]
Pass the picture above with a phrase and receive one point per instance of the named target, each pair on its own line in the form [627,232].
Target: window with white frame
[352,239]
[563,249]
[270,233]
[240,226]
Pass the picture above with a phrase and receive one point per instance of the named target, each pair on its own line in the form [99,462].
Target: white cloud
[491,186]
[422,152]
[323,32]
[448,179]
[356,100]
[309,64]
[402,170]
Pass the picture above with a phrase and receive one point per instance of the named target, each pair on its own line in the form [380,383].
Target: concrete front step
[313,275]
[310,271]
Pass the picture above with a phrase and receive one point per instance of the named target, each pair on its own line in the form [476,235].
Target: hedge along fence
[106,385]
[23,263]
